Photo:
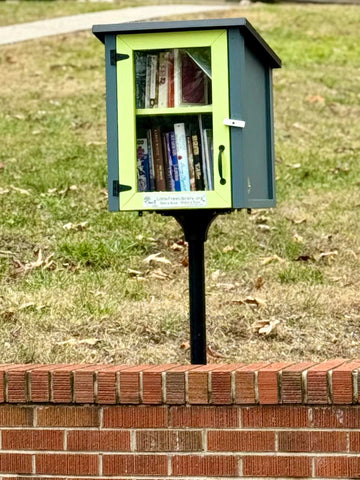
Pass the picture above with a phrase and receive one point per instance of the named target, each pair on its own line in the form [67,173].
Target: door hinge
[116,57]
[118,188]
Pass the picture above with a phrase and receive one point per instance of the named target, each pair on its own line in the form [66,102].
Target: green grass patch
[76,282]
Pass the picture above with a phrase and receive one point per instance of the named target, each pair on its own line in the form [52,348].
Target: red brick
[312,441]
[107,441]
[277,466]
[342,383]
[221,379]
[277,416]
[130,384]
[15,463]
[62,384]
[107,384]
[198,384]
[212,465]
[32,440]
[135,465]
[175,384]
[354,441]
[204,417]
[17,385]
[152,383]
[67,464]
[68,416]
[292,385]
[3,368]
[12,416]
[268,383]
[340,467]
[84,384]
[317,381]
[336,417]
[245,383]
[240,441]
[169,441]
[135,417]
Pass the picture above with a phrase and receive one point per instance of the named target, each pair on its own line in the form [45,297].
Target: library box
[189,115]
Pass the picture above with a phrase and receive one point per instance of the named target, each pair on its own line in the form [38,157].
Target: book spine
[181,149]
[140,79]
[154,81]
[163,80]
[170,74]
[168,163]
[207,136]
[143,177]
[160,182]
[151,161]
[203,155]
[175,164]
[177,77]
[147,81]
[197,163]
[191,163]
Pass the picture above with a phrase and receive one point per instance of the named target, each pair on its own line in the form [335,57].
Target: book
[154,76]
[170,185]
[202,153]
[198,171]
[174,162]
[160,182]
[177,77]
[140,78]
[147,81]
[163,80]
[143,174]
[207,147]
[151,161]
[193,82]
[170,75]
[191,162]
[181,150]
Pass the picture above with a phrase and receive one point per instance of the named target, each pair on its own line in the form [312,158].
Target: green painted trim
[174,111]
[220,197]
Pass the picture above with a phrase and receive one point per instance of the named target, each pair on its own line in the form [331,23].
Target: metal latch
[234,123]
[118,188]
[116,57]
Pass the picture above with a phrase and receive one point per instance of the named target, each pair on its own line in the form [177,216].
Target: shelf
[191,110]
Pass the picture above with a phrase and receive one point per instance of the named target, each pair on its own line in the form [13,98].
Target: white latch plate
[234,123]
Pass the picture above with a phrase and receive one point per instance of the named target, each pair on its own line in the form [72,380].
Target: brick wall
[277,420]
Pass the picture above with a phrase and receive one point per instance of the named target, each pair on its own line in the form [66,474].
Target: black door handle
[222,179]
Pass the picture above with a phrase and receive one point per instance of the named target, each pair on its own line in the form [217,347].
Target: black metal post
[195,224]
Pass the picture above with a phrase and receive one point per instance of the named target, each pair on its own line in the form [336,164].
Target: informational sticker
[175,200]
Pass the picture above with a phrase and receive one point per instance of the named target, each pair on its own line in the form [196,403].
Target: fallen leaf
[265,327]
[214,353]
[228,248]
[84,341]
[315,99]
[185,262]
[159,274]
[20,190]
[26,305]
[297,238]
[134,273]
[259,282]
[155,258]
[272,259]
[45,263]
[176,247]
[215,275]
[185,346]
[75,226]
[252,301]
[327,255]
[3,191]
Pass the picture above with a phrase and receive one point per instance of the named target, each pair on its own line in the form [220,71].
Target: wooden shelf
[191,110]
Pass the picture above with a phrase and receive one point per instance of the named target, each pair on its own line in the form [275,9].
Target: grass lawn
[69,290]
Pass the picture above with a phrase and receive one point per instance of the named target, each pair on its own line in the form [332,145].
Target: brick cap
[339,377]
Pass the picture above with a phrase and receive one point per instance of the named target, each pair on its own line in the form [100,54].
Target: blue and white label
[176,200]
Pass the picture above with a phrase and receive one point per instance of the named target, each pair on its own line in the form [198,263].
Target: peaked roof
[252,38]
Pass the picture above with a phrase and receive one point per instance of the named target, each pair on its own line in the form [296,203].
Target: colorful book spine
[174,162]
[170,74]
[160,182]
[181,149]
[163,80]
[191,163]
[199,182]
[140,79]
[170,185]
[151,161]
[143,173]
[154,80]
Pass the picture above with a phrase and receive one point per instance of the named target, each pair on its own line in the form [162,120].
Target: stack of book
[178,159]
[172,78]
